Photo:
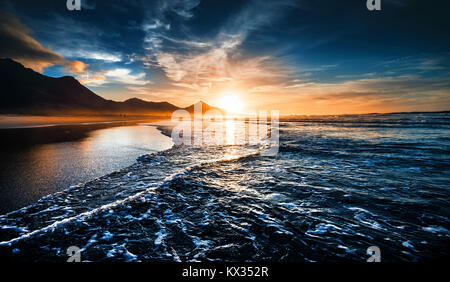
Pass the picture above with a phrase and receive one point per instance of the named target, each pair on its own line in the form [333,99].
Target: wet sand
[19,131]
[24,121]
[38,161]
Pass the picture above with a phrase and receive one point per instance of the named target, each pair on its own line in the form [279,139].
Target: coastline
[51,159]
[17,132]
[142,182]
[29,121]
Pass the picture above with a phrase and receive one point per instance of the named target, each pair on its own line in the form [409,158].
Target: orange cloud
[95,80]
[76,66]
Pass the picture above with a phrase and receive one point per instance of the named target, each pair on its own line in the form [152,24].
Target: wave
[88,214]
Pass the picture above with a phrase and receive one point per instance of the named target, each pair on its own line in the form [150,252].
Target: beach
[333,190]
[41,160]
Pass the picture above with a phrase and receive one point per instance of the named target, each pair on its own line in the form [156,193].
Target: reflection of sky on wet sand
[29,173]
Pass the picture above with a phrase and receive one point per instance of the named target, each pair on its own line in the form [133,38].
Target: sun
[231,103]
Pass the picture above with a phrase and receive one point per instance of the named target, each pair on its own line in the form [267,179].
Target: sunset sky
[299,57]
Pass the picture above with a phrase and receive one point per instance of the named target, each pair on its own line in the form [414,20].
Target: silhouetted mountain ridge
[205,107]
[25,91]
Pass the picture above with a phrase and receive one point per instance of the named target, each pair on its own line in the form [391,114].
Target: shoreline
[22,122]
[85,188]
[57,133]
[125,169]
[23,139]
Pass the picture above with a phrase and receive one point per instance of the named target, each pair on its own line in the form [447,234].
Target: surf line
[88,214]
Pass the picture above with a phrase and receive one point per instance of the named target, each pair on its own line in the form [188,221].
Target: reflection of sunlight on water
[230,129]
[230,154]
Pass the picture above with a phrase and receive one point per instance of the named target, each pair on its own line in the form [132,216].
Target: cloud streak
[204,65]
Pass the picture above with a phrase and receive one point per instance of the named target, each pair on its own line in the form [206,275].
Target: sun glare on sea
[231,104]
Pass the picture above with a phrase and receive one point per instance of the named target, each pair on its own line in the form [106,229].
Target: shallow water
[337,186]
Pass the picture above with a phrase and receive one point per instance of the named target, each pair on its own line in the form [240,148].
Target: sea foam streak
[94,211]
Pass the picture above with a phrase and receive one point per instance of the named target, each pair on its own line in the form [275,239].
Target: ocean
[337,186]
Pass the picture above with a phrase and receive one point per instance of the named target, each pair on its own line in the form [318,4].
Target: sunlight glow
[231,104]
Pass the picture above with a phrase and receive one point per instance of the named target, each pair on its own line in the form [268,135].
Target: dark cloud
[18,44]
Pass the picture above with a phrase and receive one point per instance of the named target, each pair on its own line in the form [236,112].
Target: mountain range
[25,91]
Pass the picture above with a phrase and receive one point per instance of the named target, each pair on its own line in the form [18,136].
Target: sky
[298,57]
